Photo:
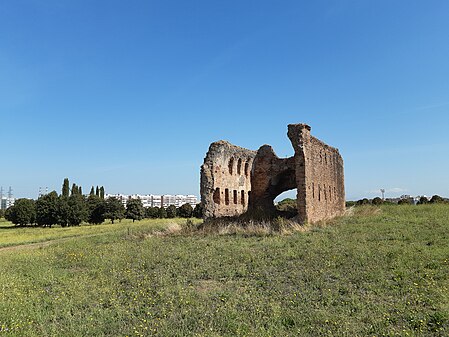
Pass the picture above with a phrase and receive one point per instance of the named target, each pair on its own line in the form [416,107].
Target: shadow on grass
[16,226]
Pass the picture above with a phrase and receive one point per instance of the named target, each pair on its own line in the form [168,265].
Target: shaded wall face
[225,180]
[323,181]
[270,177]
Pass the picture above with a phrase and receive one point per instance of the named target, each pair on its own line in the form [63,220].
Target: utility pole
[9,201]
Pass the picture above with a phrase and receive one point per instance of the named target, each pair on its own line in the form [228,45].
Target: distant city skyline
[130,95]
[152,200]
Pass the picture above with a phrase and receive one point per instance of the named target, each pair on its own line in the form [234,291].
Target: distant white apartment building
[6,202]
[151,200]
[7,199]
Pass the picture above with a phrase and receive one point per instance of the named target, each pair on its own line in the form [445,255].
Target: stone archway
[270,177]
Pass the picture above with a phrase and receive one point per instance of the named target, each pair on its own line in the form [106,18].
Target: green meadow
[379,271]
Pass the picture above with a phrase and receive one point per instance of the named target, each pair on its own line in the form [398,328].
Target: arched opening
[235,197]
[242,197]
[290,194]
[247,168]
[231,165]
[239,166]
[226,196]
[216,196]
[286,203]
[272,193]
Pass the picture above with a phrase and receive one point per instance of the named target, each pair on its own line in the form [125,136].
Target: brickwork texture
[237,181]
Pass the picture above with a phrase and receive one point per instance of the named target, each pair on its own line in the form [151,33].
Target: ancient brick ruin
[236,181]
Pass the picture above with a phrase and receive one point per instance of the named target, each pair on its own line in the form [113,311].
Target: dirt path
[46,243]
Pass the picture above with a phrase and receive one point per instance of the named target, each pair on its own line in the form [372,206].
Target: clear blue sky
[129,94]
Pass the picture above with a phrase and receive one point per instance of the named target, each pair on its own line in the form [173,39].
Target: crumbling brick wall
[235,180]
[226,180]
[319,176]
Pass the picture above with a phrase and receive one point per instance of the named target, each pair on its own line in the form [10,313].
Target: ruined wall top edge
[324,145]
[298,133]
[223,148]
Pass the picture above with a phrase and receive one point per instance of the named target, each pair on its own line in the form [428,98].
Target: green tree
[74,190]
[47,209]
[185,211]
[287,205]
[405,201]
[2,213]
[92,191]
[171,211]
[77,210]
[114,209]
[22,213]
[198,211]
[377,201]
[423,200]
[65,188]
[80,191]
[363,201]
[162,212]
[9,214]
[101,192]
[436,199]
[135,210]
[63,211]
[96,210]
[151,212]
[97,192]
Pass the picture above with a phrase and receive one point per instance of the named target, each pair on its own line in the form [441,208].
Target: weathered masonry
[235,180]
[226,180]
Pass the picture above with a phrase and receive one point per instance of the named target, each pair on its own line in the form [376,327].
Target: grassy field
[15,236]
[378,272]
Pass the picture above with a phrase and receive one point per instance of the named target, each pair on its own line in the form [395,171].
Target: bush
[171,211]
[405,202]
[423,200]
[162,212]
[185,211]
[22,213]
[189,227]
[287,205]
[377,201]
[363,201]
[436,199]
[198,211]
[152,212]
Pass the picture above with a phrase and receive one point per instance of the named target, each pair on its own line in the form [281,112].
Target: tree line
[71,208]
[436,199]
